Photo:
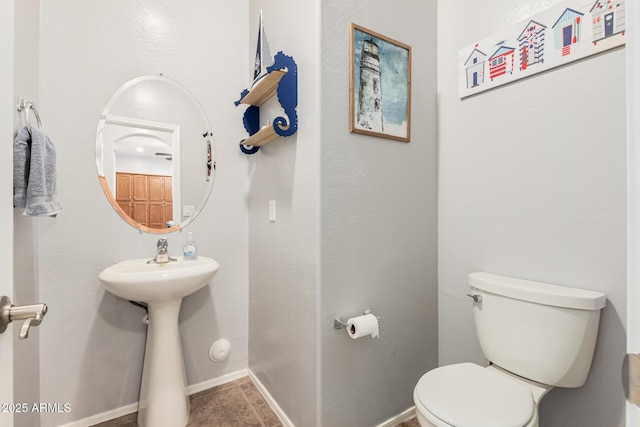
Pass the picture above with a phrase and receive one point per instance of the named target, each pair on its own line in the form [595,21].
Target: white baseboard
[400,418]
[284,419]
[286,422]
[133,407]
[214,382]
[104,416]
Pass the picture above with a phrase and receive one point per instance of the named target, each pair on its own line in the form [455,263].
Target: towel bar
[24,106]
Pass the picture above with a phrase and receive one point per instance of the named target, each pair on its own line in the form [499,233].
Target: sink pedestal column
[164,401]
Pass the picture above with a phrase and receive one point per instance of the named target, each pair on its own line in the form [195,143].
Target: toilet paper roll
[362,326]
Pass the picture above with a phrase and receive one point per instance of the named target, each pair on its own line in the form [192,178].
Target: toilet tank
[546,333]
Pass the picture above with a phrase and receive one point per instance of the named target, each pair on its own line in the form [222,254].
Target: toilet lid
[468,395]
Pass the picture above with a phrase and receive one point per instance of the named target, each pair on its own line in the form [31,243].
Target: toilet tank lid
[538,292]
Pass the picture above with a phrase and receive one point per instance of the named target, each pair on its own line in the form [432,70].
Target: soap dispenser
[190,248]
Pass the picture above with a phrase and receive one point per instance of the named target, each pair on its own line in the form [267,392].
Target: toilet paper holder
[341,322]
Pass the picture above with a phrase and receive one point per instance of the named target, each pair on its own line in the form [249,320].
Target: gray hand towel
[39,173]
[21,160]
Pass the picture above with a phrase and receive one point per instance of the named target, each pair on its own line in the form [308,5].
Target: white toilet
[537,336]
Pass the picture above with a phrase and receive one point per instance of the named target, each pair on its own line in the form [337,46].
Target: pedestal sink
[164,401]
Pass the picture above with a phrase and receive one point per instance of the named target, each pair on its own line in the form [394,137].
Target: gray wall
[356,215]
[378,205]
[355,229]
[90,340]
[532,184]
[283,254]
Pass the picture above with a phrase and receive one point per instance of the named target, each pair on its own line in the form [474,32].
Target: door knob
[31,314]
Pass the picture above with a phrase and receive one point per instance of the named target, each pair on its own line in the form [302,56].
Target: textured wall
[356,214]
[532,184]
[633,157]
[92,342]
[378,223]
[375,206]
[283,254]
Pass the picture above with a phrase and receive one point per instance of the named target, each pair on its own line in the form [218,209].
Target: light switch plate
[272,211]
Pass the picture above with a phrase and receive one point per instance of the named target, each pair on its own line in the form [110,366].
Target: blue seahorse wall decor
[287,93]
[251,117]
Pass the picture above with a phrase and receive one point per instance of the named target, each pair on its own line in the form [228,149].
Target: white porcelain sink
[164,401]
[138,281]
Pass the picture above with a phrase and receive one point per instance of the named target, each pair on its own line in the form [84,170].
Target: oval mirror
[155,154]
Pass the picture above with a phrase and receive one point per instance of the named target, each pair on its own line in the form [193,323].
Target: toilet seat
[468,395]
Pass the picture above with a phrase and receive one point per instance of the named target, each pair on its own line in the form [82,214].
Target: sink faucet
[162,255]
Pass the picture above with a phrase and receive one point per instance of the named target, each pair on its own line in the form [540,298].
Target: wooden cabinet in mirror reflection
[146,199]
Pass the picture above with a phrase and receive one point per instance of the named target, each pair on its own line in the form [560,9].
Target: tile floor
[234,404]
[413,422]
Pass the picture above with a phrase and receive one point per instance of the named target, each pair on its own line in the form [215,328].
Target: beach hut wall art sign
[571,30]
[379,85]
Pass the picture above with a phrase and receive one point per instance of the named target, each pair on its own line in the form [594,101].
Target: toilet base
[423,421]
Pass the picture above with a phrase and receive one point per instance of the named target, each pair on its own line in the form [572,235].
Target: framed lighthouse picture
[379,85]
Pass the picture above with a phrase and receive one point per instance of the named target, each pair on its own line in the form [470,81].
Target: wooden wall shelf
[263,89]
[263,136]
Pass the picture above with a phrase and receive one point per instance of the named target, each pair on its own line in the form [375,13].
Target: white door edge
[633,191]
[7,115]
